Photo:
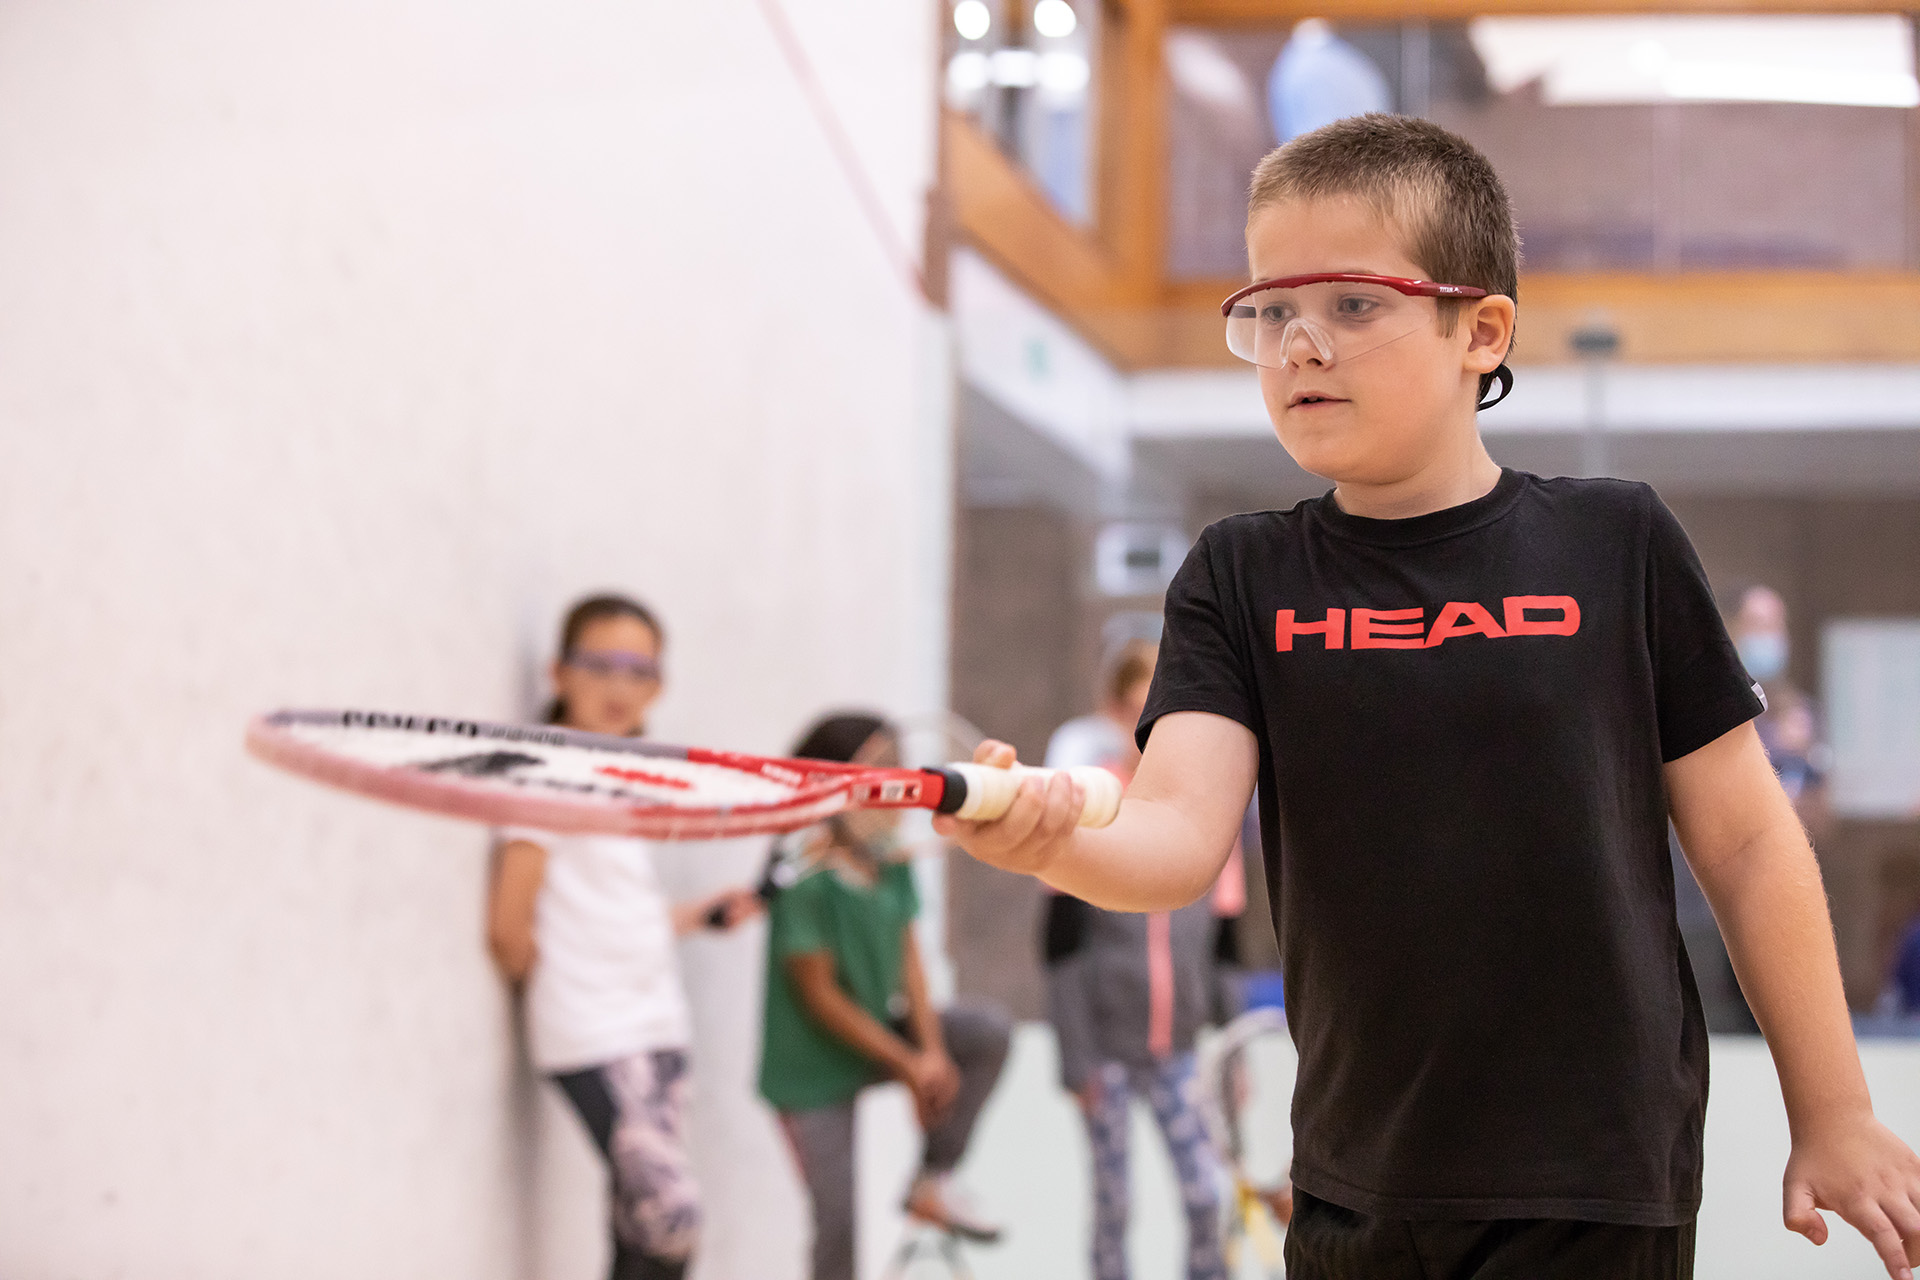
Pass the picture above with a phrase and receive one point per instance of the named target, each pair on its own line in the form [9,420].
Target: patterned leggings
[1168,1086]
[635,1109]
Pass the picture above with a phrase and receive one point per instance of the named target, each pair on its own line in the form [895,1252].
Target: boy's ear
[1489,333]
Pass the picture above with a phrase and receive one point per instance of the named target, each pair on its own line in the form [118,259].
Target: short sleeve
[1700,689]
[503,836]
[797,923]
[1203,663]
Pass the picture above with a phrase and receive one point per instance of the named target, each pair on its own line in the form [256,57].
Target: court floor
[1028,1166]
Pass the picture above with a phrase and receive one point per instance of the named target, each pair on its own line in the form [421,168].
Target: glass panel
[1023,70]
[1628,144]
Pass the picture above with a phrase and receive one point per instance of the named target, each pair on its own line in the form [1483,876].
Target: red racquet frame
[819,788]
[1400,284]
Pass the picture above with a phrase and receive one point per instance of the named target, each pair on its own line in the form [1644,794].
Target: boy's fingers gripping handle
[984,792]
[1102,791]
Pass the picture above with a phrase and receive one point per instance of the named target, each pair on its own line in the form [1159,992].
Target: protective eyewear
[1329,317]
[612,662]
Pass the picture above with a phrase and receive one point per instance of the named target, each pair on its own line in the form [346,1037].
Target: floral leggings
[635,1108]
[1168,1085]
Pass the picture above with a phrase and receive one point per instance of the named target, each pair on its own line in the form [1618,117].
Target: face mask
[885,847]
[1764,654]
[877,850]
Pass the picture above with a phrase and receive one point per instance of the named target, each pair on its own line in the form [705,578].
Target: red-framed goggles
[1332,316]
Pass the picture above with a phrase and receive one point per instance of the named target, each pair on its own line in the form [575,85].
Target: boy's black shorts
[1327,1242]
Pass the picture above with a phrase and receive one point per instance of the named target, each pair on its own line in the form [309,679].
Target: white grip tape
[990,791]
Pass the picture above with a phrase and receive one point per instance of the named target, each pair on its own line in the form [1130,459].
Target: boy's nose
[1303,342]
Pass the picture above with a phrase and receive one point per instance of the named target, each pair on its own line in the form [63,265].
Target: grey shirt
[1099,988]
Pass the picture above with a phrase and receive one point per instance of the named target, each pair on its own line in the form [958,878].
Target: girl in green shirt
[847,1007]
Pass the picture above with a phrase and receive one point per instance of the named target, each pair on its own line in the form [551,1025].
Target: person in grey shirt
[1127,995]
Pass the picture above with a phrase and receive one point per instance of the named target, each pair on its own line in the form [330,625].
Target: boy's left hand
[1862,1172]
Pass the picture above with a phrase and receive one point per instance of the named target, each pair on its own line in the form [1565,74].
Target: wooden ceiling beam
[1130,153]
[1000,212]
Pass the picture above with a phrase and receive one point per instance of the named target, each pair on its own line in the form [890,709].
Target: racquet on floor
[1245,1079]
[564,780]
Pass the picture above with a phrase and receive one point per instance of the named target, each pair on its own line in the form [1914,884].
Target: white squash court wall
[340,344]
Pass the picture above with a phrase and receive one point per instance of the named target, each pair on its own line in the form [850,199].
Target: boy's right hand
[1033,832]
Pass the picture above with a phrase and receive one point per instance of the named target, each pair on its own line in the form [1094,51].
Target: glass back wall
[1023,70]
[1629,144]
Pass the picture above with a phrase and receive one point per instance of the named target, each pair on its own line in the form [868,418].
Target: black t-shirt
[1462,719]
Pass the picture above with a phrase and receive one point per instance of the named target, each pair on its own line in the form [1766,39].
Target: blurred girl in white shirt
[581,925]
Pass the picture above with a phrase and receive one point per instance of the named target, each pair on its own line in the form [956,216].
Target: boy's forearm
[1174,832]
[1773,914]
[1753,861]
[1151,858]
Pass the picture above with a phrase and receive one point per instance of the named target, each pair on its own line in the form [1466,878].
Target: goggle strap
[1504,376]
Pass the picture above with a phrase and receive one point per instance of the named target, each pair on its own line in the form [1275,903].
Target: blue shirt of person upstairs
[1906,969]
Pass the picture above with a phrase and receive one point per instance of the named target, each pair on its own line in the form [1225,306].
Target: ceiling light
[1201,70]
[967,74]
[972,19]
[1015,68]
[1054,18]
[1064,75]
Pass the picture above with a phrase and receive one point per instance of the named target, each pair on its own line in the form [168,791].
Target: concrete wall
[341,345]
[1018,608]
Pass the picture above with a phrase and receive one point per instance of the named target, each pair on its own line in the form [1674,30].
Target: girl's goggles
[1329,317]
[609,663]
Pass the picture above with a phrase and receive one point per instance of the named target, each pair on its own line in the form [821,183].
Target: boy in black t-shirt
[1472,699]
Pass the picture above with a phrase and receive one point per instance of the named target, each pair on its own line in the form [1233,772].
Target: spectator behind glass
[1790,726]
[582,925]
[1902,995]
[1319,78]
[1789,731]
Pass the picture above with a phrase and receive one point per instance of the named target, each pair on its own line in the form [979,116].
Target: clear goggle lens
[607,663]
[1326,322]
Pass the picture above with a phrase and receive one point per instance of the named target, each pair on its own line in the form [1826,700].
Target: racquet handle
[988,792]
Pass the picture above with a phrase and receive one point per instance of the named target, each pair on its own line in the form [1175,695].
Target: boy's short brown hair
[1429,182]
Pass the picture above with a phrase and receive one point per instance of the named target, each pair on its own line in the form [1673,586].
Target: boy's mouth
[1308,398]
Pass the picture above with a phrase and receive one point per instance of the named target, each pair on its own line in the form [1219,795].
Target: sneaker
[934,1200]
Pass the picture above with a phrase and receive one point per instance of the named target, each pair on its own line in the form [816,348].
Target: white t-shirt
[606,979]
[1085,740]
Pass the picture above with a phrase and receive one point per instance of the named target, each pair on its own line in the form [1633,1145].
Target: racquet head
[1245,1087]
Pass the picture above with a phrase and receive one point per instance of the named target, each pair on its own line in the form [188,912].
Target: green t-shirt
[802,1065]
